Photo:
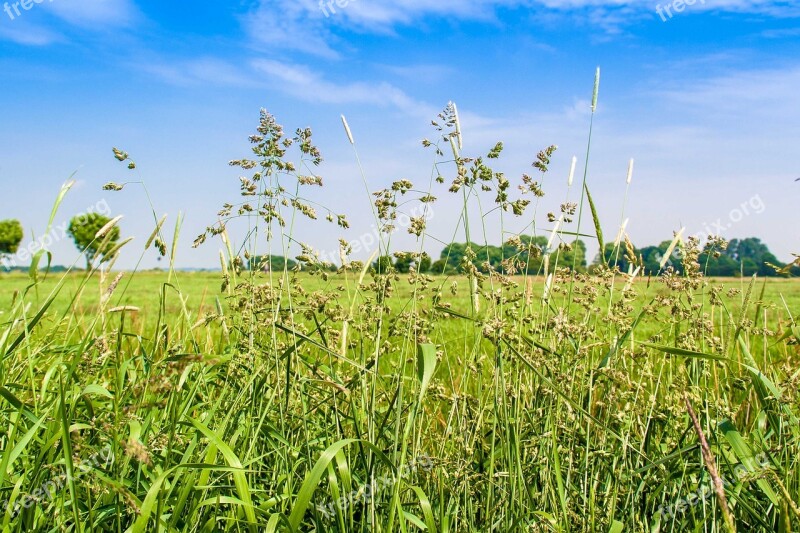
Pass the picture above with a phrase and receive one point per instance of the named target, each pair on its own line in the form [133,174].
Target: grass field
[369,400]
[557,435]
[198,293]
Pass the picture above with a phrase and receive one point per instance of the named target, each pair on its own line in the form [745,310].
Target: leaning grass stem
[710,462]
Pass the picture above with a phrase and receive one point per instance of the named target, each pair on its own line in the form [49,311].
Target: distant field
[201,290]
[188,297]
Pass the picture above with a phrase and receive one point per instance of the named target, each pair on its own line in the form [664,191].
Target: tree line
[741,257]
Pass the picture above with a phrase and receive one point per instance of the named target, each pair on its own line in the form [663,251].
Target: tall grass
[366,400]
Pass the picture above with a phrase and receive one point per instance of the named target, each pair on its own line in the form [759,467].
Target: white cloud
[309,85]
[34,27]
[27,34]
[89,13]
[289,24]
[761,93]
[311,26]
[207,70]
[420,73]
[295,80]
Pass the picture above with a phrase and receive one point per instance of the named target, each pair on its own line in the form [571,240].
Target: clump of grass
[350,397]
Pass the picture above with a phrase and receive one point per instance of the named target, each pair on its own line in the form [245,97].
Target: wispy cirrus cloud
[50,22]
[27,34]
[204,70]
[294,25]
[91,13]
[296,80]
[304,83]
[764,91]
[315,27]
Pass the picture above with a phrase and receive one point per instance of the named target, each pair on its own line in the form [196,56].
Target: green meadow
[194,295]
[529,394]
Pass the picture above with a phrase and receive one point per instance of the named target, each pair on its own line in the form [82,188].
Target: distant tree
[613,256]
[11,235]
[742,257]
[718,263]
[84,228]
[748,267]
[575,256]
[271,263]
[452,255]
[439,267]
[528,259]
[403,263]
[424,263]
[532,256]
[757,252]
[654,255]
[383,265]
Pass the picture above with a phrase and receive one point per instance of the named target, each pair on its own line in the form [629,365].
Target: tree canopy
[741,257]
[83,230]
[271,263]
[526,255]
[406,261]
[11,235]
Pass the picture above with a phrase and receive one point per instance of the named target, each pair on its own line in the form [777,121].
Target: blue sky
[707,102]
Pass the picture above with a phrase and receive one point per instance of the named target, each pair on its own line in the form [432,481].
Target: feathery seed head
[572,171]
[596,89]
[630,172]
[105,229]
[457,125]
[347,130]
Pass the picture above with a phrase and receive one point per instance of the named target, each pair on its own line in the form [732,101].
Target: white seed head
[476,301]
[223,263]
[345,330]
[347,130]
[630,172]
[455,148]
[105,229]
[555,232]
[596,89]
[671,248]
[458,126]
[621,232]
[631,277]
[572,171]
[547,285]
